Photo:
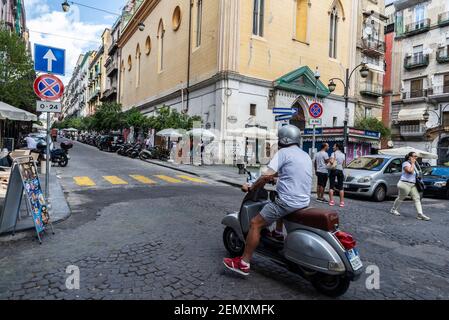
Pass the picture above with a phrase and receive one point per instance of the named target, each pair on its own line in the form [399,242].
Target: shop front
[361,142]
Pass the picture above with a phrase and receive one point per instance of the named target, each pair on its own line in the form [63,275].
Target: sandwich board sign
[25,181]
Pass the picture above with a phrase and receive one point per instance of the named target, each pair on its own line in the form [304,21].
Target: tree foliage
[374,124]
[109,117]
[16,72]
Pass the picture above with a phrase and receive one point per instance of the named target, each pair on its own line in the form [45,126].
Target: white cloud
[68,32]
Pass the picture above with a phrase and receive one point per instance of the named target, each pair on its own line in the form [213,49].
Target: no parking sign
[48,87]
[316,110]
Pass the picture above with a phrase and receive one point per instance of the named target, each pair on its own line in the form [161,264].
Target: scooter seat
[322,219]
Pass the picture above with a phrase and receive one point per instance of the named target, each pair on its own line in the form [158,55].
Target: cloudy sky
[76,31]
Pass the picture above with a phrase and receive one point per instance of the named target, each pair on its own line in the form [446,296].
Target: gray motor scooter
[314,248]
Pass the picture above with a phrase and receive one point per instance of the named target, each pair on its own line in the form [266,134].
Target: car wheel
[380,194]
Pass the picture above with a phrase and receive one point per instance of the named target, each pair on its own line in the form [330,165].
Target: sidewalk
[59,209]
[220,173]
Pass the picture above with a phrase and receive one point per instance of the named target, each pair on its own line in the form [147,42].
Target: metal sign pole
[47,171]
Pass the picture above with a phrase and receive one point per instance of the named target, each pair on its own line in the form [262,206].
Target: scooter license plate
[354,259]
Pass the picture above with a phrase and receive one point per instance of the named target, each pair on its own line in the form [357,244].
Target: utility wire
[61,36]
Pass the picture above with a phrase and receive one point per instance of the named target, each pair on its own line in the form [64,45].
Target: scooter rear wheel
[329,285]
[232,243]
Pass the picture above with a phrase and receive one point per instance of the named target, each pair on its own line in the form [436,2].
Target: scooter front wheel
[232,243]
[330,285]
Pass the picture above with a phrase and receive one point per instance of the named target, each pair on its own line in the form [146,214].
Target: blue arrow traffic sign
[283,117]
[284,111]
[49,60]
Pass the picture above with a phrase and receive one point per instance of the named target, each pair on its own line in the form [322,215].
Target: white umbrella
[12,113]
[71,129]
[406,150]
[255,133]
[203,133]
[170,133]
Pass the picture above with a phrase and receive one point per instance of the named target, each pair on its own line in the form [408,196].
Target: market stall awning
[406,150]
[412,114]
[12,113]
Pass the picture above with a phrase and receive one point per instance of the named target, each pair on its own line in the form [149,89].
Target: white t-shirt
[31,143]
[320,160]
[340,158]
[295,170]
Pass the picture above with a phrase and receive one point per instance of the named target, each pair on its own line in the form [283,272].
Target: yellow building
[233,61]
[97,81]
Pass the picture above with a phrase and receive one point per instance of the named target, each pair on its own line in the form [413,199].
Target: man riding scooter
[293,168]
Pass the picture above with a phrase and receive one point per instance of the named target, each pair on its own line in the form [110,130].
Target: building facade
[12,16]
[97,81]
[420,113]
[236,63]
[112,66]
[370,50]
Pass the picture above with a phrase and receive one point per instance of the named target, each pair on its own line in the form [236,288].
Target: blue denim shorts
[274,211]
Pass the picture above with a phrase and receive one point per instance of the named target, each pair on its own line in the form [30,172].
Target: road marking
[115,180]
[169,179]
[84,181]
[143,179]
[192,179]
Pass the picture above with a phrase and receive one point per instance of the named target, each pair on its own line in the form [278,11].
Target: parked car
[436,180]
[374,176]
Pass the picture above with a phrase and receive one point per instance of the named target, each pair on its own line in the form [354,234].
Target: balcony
[412,130]
[111,67]
[438,94]
[417,27]
[443,55]
[415,94]
[371,89]
[94,94]
[443,19]
[416,61]
[109,93]
[113,48]
[372,47]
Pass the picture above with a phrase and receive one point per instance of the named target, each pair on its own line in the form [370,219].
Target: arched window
[302,11]
[160,40]
[333,32]
[138,54]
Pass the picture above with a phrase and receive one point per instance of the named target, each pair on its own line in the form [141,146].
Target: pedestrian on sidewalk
[407,187]
[321,171]
[336,175]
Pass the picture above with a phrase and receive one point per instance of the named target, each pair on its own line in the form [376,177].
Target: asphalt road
[139,231]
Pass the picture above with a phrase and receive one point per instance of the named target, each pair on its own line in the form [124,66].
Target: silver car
[374,176]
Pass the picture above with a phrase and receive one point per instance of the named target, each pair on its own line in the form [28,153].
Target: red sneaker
[236,265]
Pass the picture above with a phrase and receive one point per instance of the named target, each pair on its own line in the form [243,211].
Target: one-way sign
[49,60]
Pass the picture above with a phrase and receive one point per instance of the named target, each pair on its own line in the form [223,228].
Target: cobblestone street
[165,242]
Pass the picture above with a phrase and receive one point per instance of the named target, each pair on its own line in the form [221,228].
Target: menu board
[33,192]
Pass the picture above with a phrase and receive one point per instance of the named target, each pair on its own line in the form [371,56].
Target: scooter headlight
[338,267]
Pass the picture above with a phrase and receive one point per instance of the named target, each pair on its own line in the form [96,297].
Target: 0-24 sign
[47,106]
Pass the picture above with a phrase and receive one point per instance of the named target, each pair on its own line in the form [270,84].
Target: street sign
[48,87]
[284,111]
[315,122]
[47,106]
[283,117]
[49,60]
[316,110]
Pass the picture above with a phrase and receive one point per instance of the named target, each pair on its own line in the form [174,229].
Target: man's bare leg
[253,238]
[280,226]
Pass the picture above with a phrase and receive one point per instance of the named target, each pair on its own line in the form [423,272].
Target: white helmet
[289,135]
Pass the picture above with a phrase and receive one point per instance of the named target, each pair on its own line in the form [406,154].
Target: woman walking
[407,187]
[336,175]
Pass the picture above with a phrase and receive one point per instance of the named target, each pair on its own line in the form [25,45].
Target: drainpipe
[189,56]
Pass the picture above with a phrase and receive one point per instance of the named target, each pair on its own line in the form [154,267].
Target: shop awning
[412,114]
[12,113]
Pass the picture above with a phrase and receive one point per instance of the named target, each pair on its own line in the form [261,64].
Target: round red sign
[48,87]
[316,110]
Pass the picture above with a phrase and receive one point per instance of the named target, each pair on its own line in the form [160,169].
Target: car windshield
[440,172]
[368,163]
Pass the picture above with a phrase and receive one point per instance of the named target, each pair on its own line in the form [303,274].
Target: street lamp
[364,73]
